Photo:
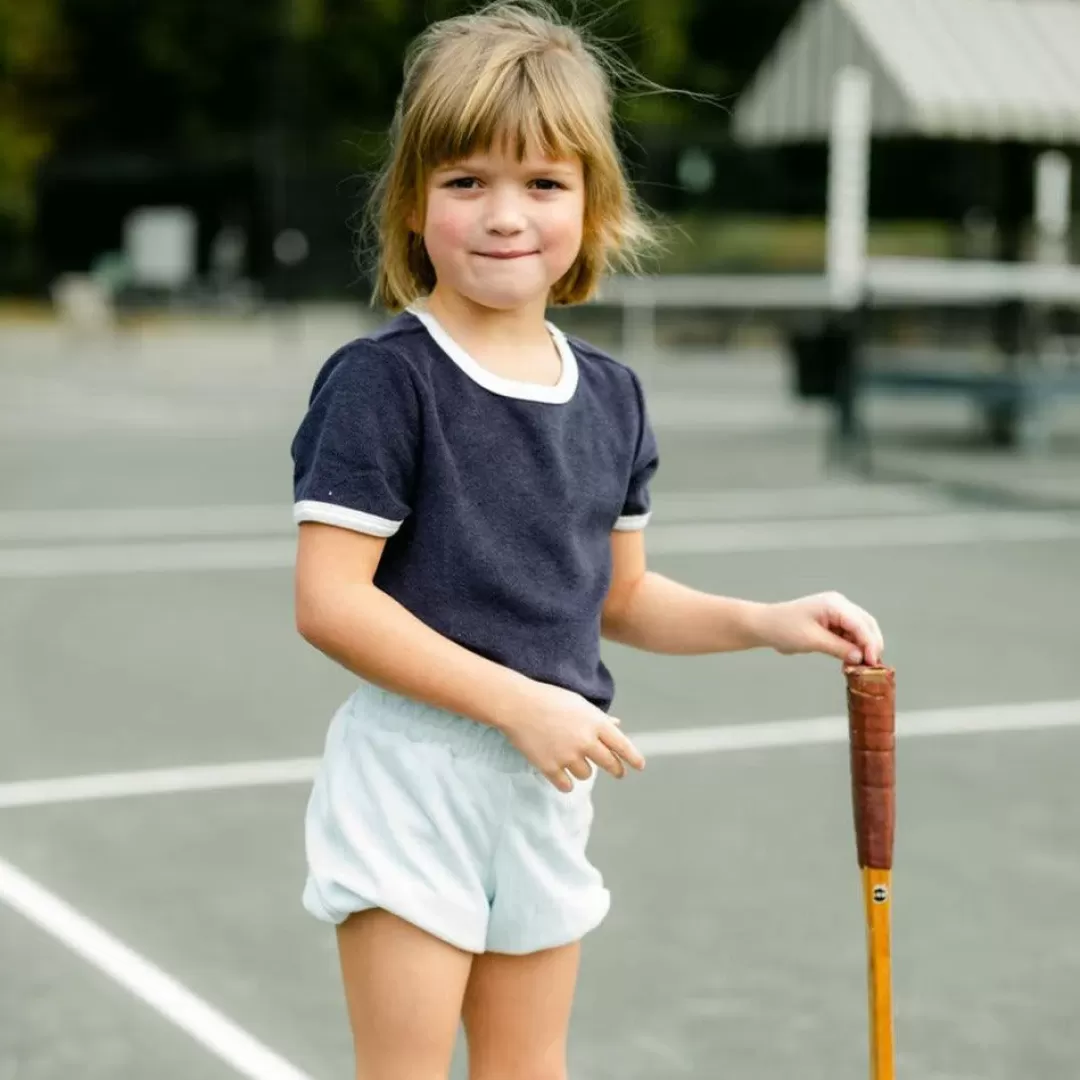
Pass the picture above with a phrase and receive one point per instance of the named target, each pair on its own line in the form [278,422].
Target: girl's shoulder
[390,356]
[614,377]
[599,360]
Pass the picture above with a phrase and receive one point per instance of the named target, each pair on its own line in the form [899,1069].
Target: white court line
[242,1051]
[813,501]
[156,782]
[275,519]
[148,983]
[917,530]
[81,561]
[966,720]
[702,538]
[146,522]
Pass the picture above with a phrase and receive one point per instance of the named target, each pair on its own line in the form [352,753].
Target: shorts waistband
[372,705]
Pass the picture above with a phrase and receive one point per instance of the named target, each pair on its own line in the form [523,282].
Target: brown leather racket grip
[871,705]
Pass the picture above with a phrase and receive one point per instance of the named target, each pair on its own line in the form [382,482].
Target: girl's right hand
[560,732]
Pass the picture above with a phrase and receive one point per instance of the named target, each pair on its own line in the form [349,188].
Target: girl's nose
[504,213]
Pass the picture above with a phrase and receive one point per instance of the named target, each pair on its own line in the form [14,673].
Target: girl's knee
[517,1063]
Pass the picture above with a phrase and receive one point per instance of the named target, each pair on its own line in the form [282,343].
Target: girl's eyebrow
[565,167]
[471,165]
[464,167]
[478,161]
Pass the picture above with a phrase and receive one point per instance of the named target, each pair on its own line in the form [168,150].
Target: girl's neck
[469,321]
[515,345]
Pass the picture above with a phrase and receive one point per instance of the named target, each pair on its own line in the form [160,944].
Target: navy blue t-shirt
[498,498]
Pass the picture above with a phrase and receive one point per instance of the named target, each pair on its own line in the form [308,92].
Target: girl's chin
[505,295]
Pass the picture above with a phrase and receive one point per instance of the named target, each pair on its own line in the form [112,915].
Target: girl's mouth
[504,254]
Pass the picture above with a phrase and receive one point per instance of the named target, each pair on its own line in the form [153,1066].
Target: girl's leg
[517,1014]
[404,991]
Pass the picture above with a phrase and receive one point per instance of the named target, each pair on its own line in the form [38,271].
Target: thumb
[824,641]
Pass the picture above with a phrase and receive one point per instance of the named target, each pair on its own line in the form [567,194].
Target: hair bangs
[521,104]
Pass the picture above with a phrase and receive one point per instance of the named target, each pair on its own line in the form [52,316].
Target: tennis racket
[871,706]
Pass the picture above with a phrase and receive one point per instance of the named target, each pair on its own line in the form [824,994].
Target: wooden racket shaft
[871,704]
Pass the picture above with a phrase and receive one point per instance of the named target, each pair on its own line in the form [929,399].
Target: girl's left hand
[825,623]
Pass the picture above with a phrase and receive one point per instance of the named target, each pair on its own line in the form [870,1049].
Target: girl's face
[500,232]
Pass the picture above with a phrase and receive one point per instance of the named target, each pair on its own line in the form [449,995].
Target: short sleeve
[354,453]
[637,507]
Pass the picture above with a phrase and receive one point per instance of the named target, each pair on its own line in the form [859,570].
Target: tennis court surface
[159,718]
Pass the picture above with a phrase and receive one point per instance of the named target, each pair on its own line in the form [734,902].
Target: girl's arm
[650,612]
[344,615]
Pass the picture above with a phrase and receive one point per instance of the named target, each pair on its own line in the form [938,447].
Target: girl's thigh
[517,1013]
[404,991]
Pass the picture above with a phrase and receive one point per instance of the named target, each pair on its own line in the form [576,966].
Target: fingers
[616,741]
[860,628]
[559,778]
[868,635]
[834,645]
[607,761]
[580,769]
[877,649]
[611,751]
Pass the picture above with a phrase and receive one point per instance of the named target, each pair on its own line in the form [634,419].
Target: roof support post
[848,187]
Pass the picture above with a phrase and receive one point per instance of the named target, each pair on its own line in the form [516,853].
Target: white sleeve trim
[332,514]
[632,522]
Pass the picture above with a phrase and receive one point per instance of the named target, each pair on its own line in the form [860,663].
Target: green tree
[33,66]
[170,76]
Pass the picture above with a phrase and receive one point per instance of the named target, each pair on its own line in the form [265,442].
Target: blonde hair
[511,70]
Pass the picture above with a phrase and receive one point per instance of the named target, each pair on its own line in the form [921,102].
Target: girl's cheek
[446,227]
[571,222]
[568,234]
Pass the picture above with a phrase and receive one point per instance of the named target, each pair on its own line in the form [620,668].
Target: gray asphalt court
[160,717]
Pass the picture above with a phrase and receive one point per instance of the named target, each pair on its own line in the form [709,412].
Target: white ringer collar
[558,394]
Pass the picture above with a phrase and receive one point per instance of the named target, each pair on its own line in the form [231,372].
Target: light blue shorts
[440,820]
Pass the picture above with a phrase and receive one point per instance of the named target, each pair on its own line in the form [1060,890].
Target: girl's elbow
[307,627]
[613,627]
[310,617]
[617,614]
[332,613]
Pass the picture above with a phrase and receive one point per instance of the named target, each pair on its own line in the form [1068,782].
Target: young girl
[472,489]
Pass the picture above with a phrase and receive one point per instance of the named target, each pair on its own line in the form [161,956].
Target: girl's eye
[468,183]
